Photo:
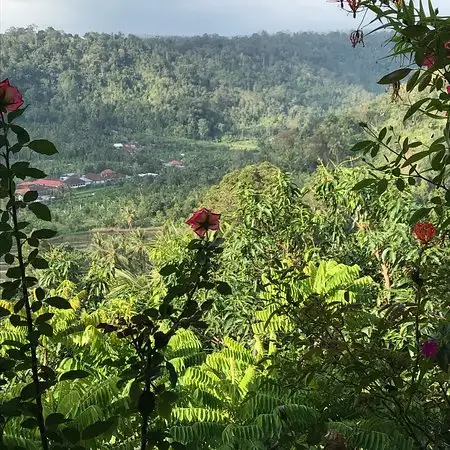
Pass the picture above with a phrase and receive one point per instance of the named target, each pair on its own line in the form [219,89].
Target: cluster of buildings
[73,180]
[131,147]
[49,188]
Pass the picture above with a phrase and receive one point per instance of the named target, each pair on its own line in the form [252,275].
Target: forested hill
[207,87]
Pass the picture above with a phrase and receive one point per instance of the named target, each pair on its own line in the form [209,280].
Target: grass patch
[245,145]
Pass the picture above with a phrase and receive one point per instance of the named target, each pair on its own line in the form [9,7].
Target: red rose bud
[429,61]
[203,220]
[430,349]
[10,97]
[424,232]
[352,4]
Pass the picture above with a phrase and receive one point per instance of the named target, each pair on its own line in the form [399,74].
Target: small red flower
[10,97]
[424,232]
[430,349]
[429,61]
[447,45]
[203,220]
[448,89]
[352,4]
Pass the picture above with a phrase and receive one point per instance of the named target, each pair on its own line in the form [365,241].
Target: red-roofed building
[107,173]
[45,188]
[43,183]
[93,178]
[175,163]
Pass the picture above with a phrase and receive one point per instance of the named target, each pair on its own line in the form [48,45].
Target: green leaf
[5,243]
[44,233]
[44,317]
[28,391]
[419,214]
[22,135]
[382,134]
[416,157]
[58,302]
[36,306]
[146,403]
[362,145]
[39,293]
[39,263]
[414,31]
[223,288]
[30,196]
[412,81]
[29,423]
[173,376]
[46,329]
[32,242]
[20,169]
[14,272]
[424,82]
[97,428]
[165,404]
[400,183]
[446,222]
[15,114]
[43,147]
[41,211]
[161,339]
[55,419]
[74,375]
[364,183]
[9,258]
[32,172]
[394,76]
[447,198]
[414,108]
[4,312]
[382,186]
[71,434]
[168,270]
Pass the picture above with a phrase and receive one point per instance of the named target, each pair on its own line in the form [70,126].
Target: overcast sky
[179,17]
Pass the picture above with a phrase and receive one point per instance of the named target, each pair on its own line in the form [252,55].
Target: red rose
[424,232]
[10,97]
[203,220]
[430,349]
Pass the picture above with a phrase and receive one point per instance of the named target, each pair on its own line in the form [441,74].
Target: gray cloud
[180,17]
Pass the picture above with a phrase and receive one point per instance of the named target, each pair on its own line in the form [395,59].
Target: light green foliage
[228,400]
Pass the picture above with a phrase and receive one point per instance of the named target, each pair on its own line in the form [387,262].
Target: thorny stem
[144,425]
[417,174]
[150,352]
[25,298]
[417,318]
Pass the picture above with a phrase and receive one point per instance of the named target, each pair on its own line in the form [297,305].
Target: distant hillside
[207,87]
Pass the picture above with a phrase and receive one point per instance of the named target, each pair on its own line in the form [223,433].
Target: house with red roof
[175,163]
[107,173]
[42,183]
[46,188]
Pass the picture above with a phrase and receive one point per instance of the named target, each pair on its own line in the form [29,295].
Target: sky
[180,17]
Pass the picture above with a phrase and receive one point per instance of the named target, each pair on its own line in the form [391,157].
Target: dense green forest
[216,103]
[287,98]
[304,303]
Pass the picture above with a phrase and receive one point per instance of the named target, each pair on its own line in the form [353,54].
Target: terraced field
[81,240]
